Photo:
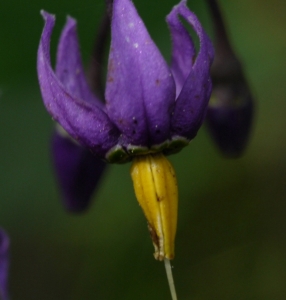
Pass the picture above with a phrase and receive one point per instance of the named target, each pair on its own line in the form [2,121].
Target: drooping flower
[150,110]
[231,108]
[4,264]
[78,171]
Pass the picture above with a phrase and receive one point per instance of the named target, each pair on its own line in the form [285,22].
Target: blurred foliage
[231,240]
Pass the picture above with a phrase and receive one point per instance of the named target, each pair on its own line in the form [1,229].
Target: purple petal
[192,102]
[69,68]
[84,121]
[4,264]
[78,172]
[183,50]
[140,90]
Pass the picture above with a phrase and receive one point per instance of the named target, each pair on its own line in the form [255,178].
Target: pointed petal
[69,68]
[4,264]
[78,172]
[83,121]
[183,50]
[192,102]
[140,90]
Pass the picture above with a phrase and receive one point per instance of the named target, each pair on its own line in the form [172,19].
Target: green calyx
[121,155]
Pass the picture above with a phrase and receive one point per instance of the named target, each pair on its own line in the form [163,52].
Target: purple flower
[78,171]
[149,107]
[4,264]
[230,112]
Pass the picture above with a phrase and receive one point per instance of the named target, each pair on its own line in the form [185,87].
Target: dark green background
[231,241]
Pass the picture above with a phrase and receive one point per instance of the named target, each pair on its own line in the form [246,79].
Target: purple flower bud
[4,264]
[230,112]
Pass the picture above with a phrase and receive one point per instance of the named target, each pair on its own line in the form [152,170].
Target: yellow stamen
[156,190]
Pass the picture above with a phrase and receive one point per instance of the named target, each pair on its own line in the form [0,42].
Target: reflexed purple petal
[192,102]
[140,91]
[4,264]
[69,68]
[78,172]
[183,50]
[82,120]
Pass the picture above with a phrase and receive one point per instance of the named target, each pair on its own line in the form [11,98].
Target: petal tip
[183,2]
[47,16]
[4,241]
[71,21]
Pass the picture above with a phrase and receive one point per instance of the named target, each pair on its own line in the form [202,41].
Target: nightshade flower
[78,171]
[230,112]
[150,110]
[4,264]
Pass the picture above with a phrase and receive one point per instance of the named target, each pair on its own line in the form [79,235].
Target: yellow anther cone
[156,190]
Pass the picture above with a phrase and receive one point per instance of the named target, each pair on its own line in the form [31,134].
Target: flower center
[156,190]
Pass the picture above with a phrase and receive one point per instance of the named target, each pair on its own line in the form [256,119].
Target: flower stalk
[170,278]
